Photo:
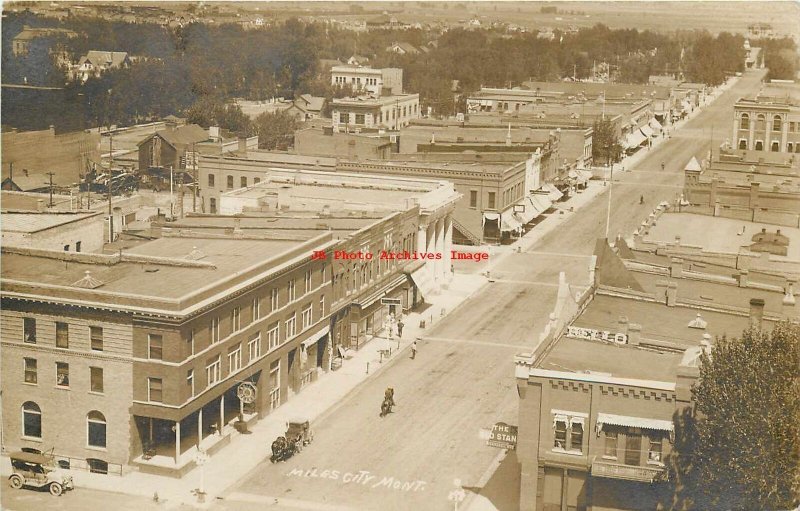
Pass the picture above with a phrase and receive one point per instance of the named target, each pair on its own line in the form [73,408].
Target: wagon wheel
[56,489]
[15,481]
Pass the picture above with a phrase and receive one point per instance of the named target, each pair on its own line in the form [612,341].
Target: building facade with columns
[612,372]
[770,121]
[135,360]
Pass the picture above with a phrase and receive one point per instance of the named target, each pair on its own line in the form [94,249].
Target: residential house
[403,49]
[96,62]
[171,148]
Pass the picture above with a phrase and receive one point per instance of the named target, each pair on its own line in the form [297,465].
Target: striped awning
[632,422]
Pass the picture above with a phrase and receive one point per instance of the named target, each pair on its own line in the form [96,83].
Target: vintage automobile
[37,471]
[299,429]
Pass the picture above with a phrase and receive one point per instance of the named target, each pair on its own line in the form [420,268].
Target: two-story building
[135,359]
[770,121]
[387,112]
[364,79]
[600,394]
[96,62]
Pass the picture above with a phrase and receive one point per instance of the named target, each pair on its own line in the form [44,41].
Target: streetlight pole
[171,191]
[608,209]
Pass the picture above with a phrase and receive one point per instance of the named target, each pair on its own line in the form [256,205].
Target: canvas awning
[509,223]
[542,202]
[632,422]
[313,338]
[580,176]
[528,213]
[633,139]
[646,130]
[420,279]
[687,107]
[655,125]
[553,193]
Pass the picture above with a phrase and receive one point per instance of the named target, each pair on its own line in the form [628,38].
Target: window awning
[492,217]
[541,202]
[633,139]
[687,107]
[420,279]
[655,124]
[646,130]
[553,193]
[509,223]
[529,213]
[313,338]
[580,176]
[632,422]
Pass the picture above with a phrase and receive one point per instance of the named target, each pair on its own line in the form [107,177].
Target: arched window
[31,420]
[775,147]
[776,123]
[96,429]
[789,147]
[744,123]
[761,122]
[743,143]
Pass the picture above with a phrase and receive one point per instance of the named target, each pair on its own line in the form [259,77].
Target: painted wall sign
[503,436]
[596,335]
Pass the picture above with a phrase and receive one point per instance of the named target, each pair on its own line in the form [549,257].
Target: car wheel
[56,489]
[15,481]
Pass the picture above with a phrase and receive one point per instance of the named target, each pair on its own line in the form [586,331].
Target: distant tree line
[200,64]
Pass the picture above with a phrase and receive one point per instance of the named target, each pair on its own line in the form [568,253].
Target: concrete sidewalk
[245,451]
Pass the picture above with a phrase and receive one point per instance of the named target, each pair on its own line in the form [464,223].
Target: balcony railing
[626,472]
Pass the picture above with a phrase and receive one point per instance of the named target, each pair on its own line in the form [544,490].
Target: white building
[368,80]
[391,112]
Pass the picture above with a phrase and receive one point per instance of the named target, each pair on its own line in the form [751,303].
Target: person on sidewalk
[413,350]
[400,326]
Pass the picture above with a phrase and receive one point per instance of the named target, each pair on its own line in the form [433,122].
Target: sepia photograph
[448,255]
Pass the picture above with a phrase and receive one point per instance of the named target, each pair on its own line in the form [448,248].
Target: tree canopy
[740,450]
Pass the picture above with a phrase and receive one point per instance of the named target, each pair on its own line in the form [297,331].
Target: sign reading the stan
[503,436]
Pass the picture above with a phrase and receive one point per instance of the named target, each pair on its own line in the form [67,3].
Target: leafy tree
[605,142]
[741,449]
[210,111]
[275,130]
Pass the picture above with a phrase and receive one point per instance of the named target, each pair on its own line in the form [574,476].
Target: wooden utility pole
[51,187]
[110,168]
[196,186]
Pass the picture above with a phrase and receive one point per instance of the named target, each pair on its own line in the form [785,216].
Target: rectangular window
[256,180]
[62,374]
[560,434]
[273,338]
[576,436]
[244,181]
[359,118]
[96,338]
[307,317]
[290,291]
[96,379]
[214,330]
[344,118]
[211,180]
[633,448]
[31,374]
[654,453]
[254,348]
[190,381]
[256,308]
[321,307]
[273,301]
[155,347]
[473,198]
[62,335]
[307,282]
[492,204]
[235,359]
[610,448]
[155,390]
[29,330]
[291,327]
[213,371]
[236,319]
[190,342]
[230,182]
[212,205]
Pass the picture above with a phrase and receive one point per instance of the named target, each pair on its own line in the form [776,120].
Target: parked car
[37,471]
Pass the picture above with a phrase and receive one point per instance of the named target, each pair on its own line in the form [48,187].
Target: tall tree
[743,450]
[605,142]
[275,130]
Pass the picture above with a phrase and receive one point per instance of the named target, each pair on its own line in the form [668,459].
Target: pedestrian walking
[400,326]
[413,350]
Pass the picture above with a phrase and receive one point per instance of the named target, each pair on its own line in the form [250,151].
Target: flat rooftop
[169,275]
[491,168]
[718,234]
[579,356]
[34,222]
[369,101]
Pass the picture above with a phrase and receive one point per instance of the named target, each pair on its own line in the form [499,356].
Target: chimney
[284,197]
[788,298]
[242,145]
[25,171]
[676,267]
[756,312]
[634,334]
[237,227]
[40,205]
[743,278]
